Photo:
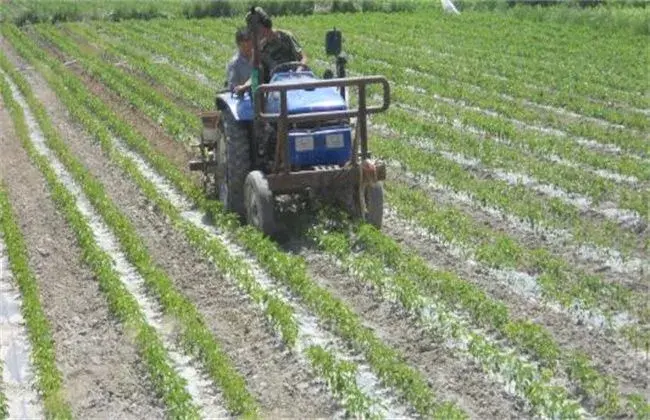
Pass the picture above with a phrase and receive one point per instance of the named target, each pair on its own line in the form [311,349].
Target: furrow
[199,388]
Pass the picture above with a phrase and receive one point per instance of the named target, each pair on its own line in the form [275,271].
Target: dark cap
[265,19]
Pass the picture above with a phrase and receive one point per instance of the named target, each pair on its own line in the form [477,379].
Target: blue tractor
[292,135]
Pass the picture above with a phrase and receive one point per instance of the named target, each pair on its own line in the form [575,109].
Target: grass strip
[165,380]
[49,379]
[291,271]
[196,338]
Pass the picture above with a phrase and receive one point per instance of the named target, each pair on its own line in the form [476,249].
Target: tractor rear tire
[260,205]
[234,156]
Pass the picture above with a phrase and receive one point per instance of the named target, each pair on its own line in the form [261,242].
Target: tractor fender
[241,108]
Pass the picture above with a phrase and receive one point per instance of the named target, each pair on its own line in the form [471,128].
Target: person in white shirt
[240,66]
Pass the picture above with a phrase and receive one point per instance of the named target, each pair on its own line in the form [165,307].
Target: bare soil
[102,373]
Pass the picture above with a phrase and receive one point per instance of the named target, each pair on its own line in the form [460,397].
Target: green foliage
[214,8]
[407,279]
[341,378]
[343,6]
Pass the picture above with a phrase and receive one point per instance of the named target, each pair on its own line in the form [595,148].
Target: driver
[277,46]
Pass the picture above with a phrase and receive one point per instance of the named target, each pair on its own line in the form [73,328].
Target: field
[510,278]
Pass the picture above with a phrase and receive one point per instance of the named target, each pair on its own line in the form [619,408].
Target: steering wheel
[289,65]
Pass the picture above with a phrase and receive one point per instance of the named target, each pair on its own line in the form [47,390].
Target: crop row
[561,213]
[48,377]
[372,59]
[430,295]
[558,283]
[276,310]
[212,47]
[565,49]
[565,214]
[194,335]
[595,187]
[489,124]
[282,267]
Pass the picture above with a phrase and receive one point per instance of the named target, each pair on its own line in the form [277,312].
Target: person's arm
[231,75]
[298,50]
[242,72]
[243,87]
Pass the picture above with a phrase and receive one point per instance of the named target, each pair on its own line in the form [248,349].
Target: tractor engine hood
[302,100]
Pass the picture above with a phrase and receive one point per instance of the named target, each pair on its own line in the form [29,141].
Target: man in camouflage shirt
[277,46]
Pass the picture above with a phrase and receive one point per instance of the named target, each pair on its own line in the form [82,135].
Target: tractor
[293,135]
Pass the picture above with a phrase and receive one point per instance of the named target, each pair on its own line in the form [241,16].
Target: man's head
[265,21]
[244,41]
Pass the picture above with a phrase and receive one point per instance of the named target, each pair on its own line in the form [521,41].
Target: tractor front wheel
[260,207]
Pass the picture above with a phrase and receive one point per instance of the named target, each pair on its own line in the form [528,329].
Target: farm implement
[293,135]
